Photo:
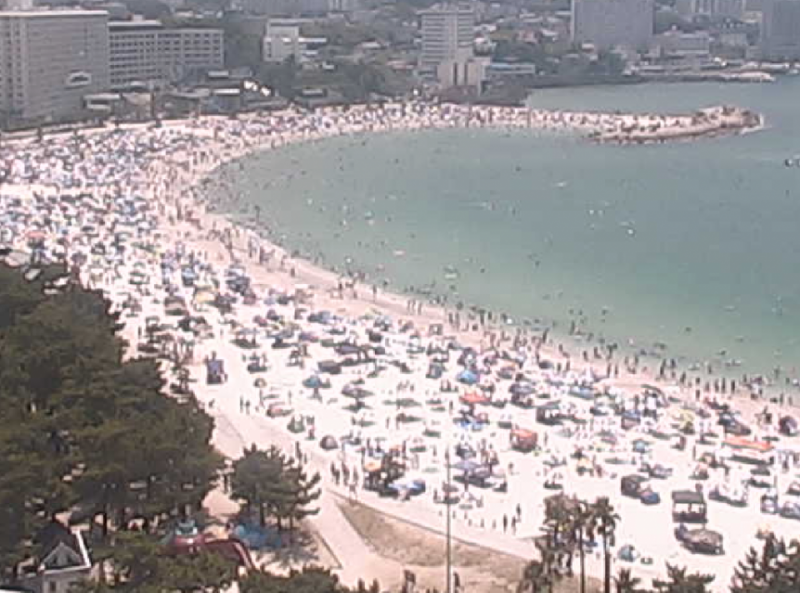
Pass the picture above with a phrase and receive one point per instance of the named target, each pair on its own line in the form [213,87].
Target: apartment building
[613,23]
[448,34]
[780,30]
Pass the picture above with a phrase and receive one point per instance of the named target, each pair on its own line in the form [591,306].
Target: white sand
[186,152]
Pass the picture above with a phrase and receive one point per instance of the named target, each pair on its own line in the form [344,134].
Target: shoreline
[309,270]
[171,183]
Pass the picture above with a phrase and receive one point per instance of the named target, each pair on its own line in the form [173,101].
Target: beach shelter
[372,465]
[523,439]
[467,377]
[329,366]
[474,398]
[312,382]
[328,443]
[215,371]
[204,296]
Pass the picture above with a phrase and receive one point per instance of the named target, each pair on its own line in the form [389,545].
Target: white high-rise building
[49,61]
[148,53]
[448,34]
[613,23]
[780,30]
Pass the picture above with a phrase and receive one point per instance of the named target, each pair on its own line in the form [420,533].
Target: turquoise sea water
[694,245]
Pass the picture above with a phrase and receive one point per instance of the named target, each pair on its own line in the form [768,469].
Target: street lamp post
[448,533]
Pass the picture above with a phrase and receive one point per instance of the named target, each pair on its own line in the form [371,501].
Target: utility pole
[448,534]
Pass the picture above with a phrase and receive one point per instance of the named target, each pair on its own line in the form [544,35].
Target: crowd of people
[385,396]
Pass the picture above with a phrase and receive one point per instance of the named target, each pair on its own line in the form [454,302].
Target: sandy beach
[129,211]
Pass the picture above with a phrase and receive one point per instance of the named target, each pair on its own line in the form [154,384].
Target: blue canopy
[467,377]
[313,382]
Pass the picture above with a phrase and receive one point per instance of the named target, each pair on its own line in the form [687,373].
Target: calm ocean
[694,245]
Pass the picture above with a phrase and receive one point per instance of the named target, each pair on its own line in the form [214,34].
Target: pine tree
[274,485]
[773,569]
[80,426]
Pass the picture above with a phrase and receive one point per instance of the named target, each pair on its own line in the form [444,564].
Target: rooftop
[135,24]
[50,13]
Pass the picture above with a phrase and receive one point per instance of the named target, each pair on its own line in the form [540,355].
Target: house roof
[60,549]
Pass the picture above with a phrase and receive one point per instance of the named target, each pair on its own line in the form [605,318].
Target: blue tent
[256,537]
[313,382]
[467,377]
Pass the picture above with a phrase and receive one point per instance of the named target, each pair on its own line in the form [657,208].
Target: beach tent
[522,388]
[523,439]
[466,465]
[313,382]
[204,296]
[467,377]
[328,443]
[329,366]
[256,537]
[788,426]
[215,371]
[748,444]
[474,398]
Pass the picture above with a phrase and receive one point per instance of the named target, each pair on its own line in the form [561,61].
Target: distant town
[138,60]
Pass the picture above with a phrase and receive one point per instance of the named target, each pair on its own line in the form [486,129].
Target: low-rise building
[62,561]
[676,44]
[282,40]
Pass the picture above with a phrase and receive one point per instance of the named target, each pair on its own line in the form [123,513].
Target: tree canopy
[86,432]
[274,485]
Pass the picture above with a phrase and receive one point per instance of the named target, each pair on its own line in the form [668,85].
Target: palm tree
[558,526]
[536,578]
[584,525]
[627,583]
[679,581]
[606,520]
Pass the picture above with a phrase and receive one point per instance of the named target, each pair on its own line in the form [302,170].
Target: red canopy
[743,443]
[474,398]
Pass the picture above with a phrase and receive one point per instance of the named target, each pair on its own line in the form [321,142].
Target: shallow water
[690,244]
